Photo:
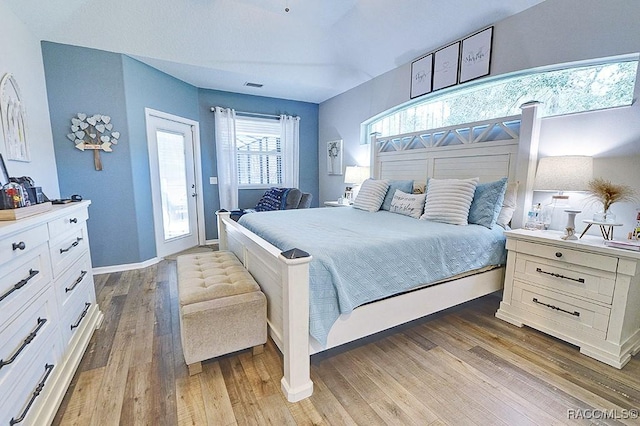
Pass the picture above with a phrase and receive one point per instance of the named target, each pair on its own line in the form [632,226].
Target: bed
[289,276]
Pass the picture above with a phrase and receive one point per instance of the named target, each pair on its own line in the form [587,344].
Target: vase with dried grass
[607,193]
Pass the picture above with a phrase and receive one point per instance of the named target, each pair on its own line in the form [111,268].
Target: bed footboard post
[222,230]
[296,383]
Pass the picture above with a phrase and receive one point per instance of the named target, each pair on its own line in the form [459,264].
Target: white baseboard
[130,266]
[126,267]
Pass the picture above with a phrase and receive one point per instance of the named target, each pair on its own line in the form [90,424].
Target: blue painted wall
[121,218]
[308,113]
[91,81]
[146,87]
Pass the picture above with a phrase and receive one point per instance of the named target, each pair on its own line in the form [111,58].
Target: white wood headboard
[489,150]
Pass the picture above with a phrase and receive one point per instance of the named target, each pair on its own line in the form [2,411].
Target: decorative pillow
[407,204]
[402,185]
[487,203]
[419,188]
[371,195]
[273,199]
[448,200]
[508,205]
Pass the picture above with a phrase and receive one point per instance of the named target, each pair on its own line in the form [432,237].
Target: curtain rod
[251,113]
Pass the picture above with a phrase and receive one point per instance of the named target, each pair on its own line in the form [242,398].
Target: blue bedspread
[359,257]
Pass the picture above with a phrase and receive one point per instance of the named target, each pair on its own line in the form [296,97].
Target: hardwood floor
[462,366]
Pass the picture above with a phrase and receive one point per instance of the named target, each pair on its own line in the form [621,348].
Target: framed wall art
[334,157]
[476,55]
[13,118]
[445,66]
[421,74]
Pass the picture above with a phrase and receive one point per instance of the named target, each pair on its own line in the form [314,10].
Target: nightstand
[335,204]
[580,291]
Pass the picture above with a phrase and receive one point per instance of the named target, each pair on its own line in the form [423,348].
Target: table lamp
[354,176]
[559,174]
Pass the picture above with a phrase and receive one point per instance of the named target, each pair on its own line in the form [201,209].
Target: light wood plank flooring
[459,367]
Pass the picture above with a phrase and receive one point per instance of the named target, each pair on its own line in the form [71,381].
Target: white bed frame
[458,151]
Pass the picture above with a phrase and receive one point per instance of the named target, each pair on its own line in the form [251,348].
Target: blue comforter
[359,257]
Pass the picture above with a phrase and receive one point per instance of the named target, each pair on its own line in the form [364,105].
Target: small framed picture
[334,157]
[445,66]
[476,55]
[421,75]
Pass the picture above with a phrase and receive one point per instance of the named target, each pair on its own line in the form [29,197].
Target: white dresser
[579,291]
[48,310]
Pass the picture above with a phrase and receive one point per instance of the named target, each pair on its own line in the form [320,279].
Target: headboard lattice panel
[490,149]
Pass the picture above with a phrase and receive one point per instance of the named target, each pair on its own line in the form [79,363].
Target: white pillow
[407,204]
[508,205]
[371,195]
[448,200]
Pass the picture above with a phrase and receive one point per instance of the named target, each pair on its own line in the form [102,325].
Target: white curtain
[290,139]
[225,132]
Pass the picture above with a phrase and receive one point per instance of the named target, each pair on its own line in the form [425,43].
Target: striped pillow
[371,195]
[448,200]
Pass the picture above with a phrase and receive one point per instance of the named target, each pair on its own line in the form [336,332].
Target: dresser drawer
[560,312]
[22,243]
[589,283]
[26,335]
[77,277]
[72,220]
[22,279]
[31,387]
[575,257]
[67,249]
[76,311]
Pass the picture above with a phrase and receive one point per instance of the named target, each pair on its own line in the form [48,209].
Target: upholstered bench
[222,309]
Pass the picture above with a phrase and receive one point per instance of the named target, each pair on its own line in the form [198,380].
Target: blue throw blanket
[359,257]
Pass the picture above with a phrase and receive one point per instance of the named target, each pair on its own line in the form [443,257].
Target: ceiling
[317,50]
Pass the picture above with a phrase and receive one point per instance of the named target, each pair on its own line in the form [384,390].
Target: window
[562,91]
[258,152]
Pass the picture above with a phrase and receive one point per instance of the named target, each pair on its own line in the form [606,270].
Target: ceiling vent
[249,84]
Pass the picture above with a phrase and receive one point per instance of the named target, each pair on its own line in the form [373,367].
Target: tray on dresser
[22,212]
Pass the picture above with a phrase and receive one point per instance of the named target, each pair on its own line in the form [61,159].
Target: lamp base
[570,228]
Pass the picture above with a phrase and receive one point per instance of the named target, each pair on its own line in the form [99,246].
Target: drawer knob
[19,246]
[73,220]
[558,254]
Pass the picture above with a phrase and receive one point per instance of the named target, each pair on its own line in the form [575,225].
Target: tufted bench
[222,309]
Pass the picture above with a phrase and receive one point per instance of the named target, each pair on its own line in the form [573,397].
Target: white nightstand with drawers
[579,291]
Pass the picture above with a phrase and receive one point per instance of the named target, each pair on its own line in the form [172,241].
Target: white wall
[20,55]
[553,32]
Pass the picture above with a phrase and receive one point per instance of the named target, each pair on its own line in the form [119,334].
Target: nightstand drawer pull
[84,313]
[36,392]
[553,274]
[73,220]
[27,340]
[574,313]
[18,246]
[558,254]
[77,281]
[74,244]
[19,284]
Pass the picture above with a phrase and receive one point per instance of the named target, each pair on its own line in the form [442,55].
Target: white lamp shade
[566,173]
[356,175]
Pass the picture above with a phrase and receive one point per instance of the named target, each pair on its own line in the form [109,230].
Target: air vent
[249,84]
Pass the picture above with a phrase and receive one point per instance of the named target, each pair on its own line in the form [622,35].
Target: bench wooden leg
[195,368]
[257,350]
